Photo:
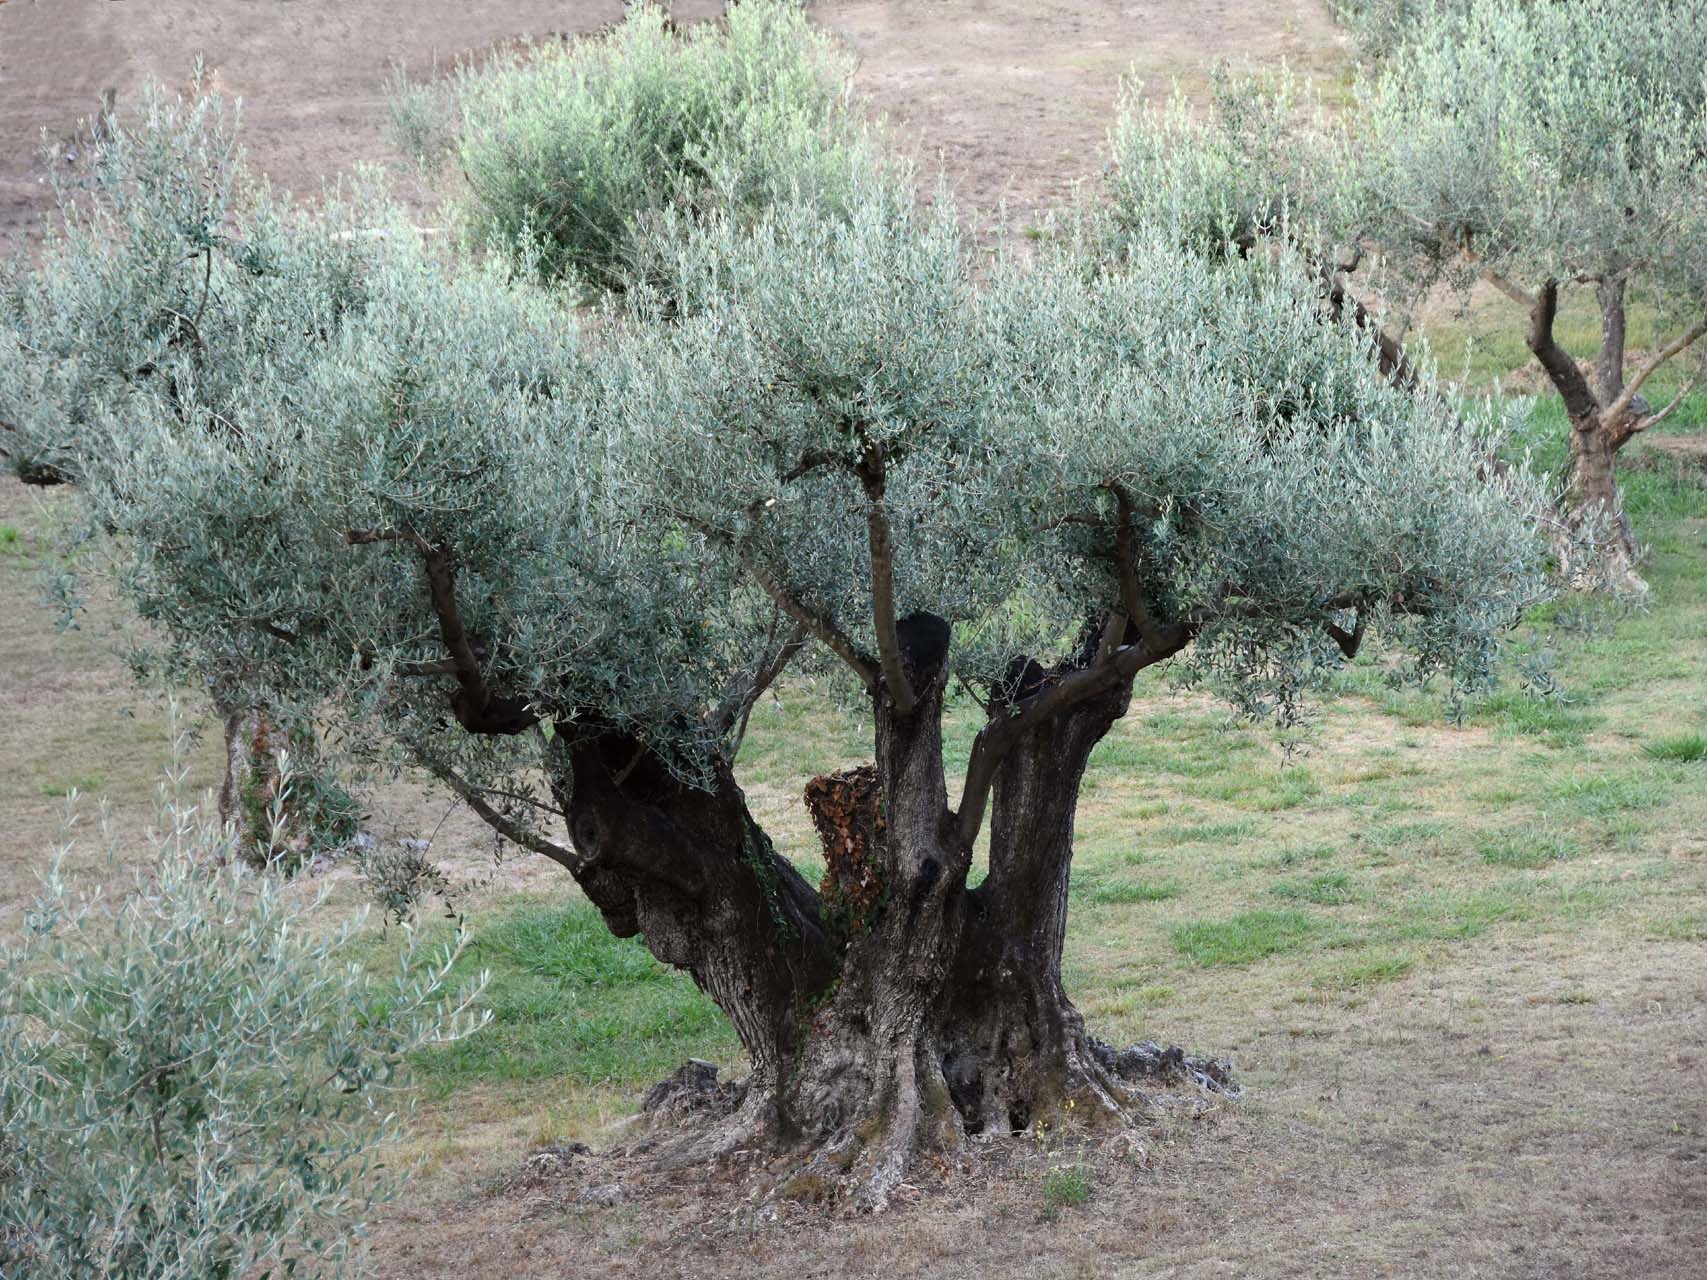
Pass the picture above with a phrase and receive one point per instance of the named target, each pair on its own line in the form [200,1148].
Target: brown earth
[1014,95]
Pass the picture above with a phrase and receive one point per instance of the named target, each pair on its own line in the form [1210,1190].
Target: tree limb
[1580,404]
[1619,436]
[1126,561]
[821,628]
[477,708]
[512,831]
[871,474]
[1348,641]
[1619,407]
[998,737]
[735,709]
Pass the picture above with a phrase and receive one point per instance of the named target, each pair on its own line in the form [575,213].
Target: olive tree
[198,1077]
[147,285]
[1545,149]
[555,557]
[1549,147]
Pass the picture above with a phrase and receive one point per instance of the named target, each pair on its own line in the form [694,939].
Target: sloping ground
[311,73]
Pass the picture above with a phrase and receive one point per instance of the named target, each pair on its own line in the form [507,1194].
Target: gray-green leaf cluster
[197,1077]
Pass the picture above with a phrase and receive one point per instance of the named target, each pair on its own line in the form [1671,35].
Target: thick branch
[1619,407]
[1062,693]
[1126,561]
[477,708]
[1580,404]
[1516,292]
[1348,641]
[1609,368]
[1390,356]
[871,474]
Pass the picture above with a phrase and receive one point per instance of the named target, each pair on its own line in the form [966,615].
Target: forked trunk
[896,1012]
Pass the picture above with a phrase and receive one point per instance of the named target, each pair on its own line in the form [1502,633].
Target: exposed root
[860,1158]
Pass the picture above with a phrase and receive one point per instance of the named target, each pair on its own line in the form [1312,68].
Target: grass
[571,1002]
[1685,748]
[1067,1186]
[1245,938]
[1529,848]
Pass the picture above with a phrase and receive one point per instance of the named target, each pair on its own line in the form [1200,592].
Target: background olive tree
[1545,149]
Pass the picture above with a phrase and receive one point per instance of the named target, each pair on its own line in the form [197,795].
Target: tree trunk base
[911,1120]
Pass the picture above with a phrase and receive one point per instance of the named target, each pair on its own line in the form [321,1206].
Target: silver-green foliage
[566,147]
[1260,160]
[199,1078]
[1545,141]
[634,501]
[187,271]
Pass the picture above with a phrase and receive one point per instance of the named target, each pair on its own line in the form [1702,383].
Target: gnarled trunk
[897,1011]
[1593,543]
[1019,1047]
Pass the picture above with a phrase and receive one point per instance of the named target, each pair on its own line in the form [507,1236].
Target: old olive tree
[554,554]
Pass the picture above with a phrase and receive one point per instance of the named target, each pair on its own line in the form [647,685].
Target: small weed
[10,542]
[1067,1186]
[1688,748]
[1244,938]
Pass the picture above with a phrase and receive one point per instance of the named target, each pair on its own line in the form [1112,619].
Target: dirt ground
[1014,96]
[1536,1110]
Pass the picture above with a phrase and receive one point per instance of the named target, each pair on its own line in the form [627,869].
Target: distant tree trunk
[899,1011]
[1593,501]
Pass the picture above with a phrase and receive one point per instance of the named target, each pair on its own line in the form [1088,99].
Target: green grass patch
[1245,938]
[1688,748]
[1599,796]
[1328,890]
[1207,833]
[1368,970]
[1526,849]
[11,541]
[1299,855]
[83,783]
[1691,928]
[1121,892]
[570,1001]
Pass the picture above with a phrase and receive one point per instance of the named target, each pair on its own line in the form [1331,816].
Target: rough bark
[692,872]
[897,1012]
[1018,1047]
[1594,506]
